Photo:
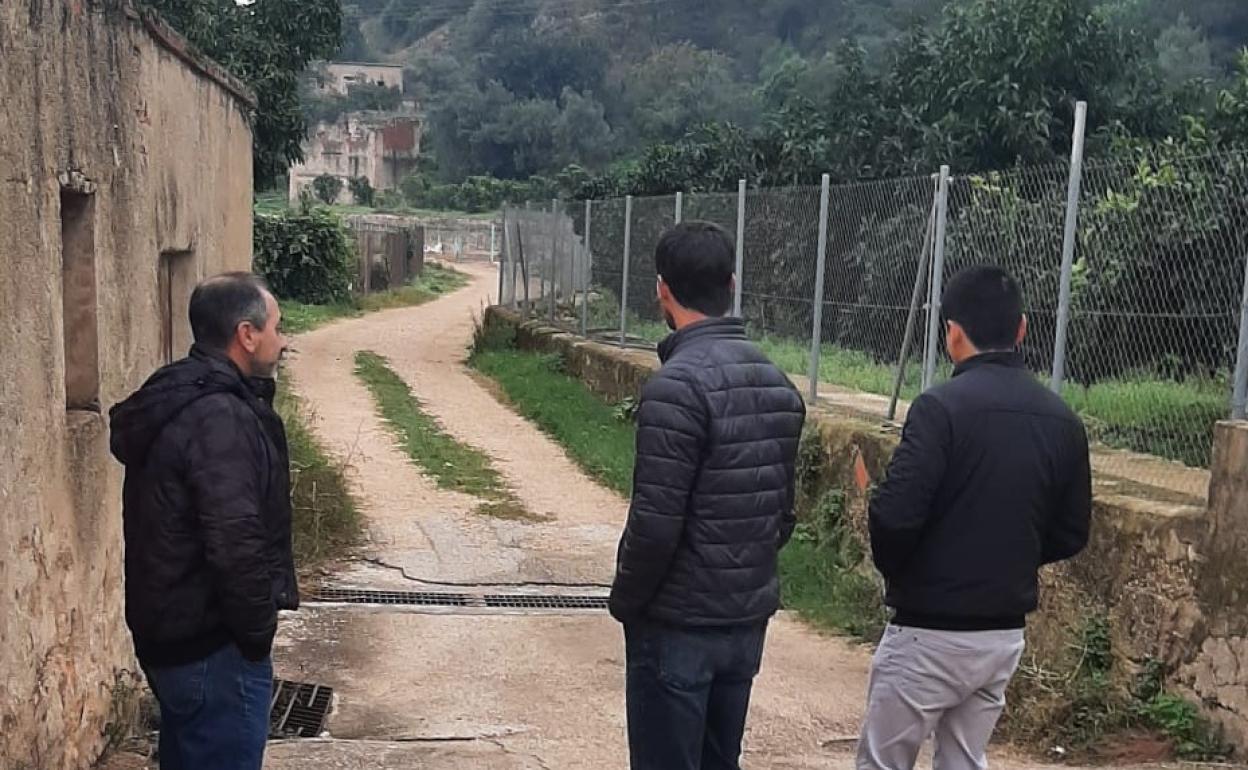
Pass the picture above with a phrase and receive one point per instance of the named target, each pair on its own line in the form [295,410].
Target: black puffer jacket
[207,512]
[717,434]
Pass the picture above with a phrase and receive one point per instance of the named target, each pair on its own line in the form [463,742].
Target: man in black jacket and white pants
[207,528]
[990,482]
[717,434]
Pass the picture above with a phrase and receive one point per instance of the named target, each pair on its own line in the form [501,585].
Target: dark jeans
[214,713]
[688,693]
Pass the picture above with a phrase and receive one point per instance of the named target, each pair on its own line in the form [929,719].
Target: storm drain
[522,602]
[299,709]
[433,599]
[416,598]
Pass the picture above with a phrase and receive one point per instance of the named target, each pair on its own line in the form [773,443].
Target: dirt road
[469,688]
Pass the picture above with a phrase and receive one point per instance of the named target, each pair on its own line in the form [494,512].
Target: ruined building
[381,147]
[340,76]
[125,177]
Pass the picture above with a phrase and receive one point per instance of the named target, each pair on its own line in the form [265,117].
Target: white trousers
[941,684]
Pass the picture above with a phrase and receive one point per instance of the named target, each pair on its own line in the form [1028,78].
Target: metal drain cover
[531,602]
[487,601]
[420,598]
[299,709]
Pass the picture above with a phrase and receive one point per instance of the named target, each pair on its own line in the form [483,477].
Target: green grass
[600,438]
[597,435]
[451,463]
[1142,412]
[828,596]
[326,522]
[433,282]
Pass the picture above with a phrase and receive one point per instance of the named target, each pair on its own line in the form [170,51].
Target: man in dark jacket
[207,528]
[717,434]
[990,482]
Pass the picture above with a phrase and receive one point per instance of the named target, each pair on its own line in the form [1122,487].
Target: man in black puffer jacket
[717,434]
[207,528]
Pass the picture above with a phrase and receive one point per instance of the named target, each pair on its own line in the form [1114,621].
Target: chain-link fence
[1149,329]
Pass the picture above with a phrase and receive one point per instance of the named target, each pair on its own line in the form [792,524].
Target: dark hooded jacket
[207,511]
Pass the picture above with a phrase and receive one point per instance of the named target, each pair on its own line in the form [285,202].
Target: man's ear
[247,336]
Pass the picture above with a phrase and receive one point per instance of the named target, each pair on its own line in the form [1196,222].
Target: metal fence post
[1239,396]
[740,270]
[820,266]
[515,263]
[554,253]
[912,317]
[680,205]
[937,283]
[1068,247]
[585,275]
[493,243]
[628,236]
[502,263]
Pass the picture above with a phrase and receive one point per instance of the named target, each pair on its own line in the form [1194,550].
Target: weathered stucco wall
[160,148]
[1169,580]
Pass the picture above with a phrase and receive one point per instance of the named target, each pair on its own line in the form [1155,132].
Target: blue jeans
[214,713]
[688,692]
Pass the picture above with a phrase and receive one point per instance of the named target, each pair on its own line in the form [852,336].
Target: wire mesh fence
[388,255]
[1152,327]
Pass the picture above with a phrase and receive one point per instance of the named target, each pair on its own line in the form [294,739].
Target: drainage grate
[490,601]
[362,596]
[299,709]
[531,602]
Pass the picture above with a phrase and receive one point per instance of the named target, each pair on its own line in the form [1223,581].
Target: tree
[327,188]
[267,44]
[680,87]
[362,191]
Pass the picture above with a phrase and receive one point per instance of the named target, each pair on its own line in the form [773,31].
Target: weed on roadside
[452,464]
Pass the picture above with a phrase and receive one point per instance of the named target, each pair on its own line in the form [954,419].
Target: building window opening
[80,308]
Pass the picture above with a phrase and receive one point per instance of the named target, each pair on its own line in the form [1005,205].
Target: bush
[327,188]
[475,194]
[362,191]
[305,255]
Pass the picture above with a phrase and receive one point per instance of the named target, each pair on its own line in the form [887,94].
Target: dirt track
[439,690]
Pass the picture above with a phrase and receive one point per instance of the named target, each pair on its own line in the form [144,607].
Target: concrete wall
[1169,578]
[111,118]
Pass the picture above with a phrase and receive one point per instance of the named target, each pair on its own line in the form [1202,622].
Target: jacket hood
[136,422]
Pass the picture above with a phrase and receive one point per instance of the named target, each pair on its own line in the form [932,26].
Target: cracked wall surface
[1170,579]
[104,104]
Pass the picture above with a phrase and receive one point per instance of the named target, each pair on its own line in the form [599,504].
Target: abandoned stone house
[381,147]
[339,77]
[125,176]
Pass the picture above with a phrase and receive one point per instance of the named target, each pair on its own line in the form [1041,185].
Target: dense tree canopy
[267,44]
[862,88]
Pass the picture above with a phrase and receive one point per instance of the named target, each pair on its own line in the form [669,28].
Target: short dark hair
[696,260]
[987,303]
[219,304]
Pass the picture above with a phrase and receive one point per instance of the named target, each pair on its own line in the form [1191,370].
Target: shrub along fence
[1133,273]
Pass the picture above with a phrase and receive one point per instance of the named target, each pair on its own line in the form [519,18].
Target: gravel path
[439,690]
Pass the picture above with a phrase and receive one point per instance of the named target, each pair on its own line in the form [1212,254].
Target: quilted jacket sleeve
[672,426]
[224,475]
